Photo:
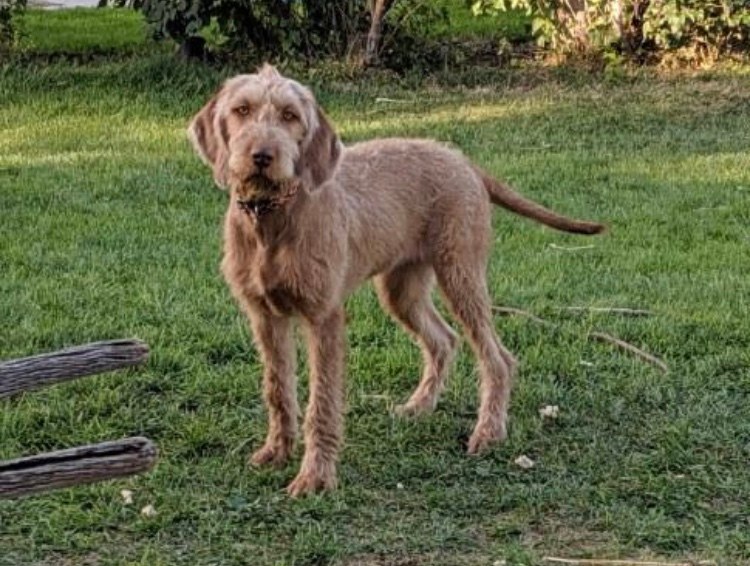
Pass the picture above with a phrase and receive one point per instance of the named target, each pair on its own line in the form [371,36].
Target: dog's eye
[288,116]
[243,110]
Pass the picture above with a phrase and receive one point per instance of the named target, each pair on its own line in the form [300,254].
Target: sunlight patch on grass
[383,120]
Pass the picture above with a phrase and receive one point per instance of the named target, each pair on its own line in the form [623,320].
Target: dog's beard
[258,186]
[259,194]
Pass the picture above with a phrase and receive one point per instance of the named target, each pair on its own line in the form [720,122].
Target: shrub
[313,29]
[269,27]
[9,31]
[695,29]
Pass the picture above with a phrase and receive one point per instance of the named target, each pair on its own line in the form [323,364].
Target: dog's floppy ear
[320,154]
[209,136]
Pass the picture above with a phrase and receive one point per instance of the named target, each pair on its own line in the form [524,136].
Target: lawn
[82,30]
[111,228]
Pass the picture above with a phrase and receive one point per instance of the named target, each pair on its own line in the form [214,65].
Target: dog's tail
[502,195]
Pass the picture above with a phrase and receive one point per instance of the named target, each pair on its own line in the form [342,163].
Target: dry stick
[47,369]
[600,562]
[571,248]
[391,101]
[601,336]
[612,310]
[520,312]
[74,466]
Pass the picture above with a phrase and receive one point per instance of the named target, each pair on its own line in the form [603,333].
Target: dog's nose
[262,159]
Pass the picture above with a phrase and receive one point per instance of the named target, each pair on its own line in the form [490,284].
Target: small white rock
[499,563]
[148,511]
[549,412]
[524,462]
[399,485]
[127,496]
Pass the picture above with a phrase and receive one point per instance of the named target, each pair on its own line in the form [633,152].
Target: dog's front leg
[324,419]
[275,342]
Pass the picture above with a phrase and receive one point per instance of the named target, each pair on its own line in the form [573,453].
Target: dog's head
[262,131]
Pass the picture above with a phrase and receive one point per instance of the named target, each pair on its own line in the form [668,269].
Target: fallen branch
[645,356]
[570,248]
[609,310]
[383,100]
[521,312]
[600,562]
[600,336]
[74,466]
[47,369]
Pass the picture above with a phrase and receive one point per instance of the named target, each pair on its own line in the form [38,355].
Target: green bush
[268,27]
[699,29]
[9,31]
[696,30]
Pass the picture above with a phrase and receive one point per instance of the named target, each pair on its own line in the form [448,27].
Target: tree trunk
[47,369]
[75,466]
[632,36]
[193,48]
[378,10]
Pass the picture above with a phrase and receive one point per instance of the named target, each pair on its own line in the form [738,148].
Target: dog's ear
[209,136]
[320,154]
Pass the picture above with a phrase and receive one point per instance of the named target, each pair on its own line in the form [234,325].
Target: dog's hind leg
[405,293]
[463,283]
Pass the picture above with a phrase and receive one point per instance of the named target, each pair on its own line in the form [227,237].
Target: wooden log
[47,369]
[75,466]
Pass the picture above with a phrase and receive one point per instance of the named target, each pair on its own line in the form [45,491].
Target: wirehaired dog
[310,220]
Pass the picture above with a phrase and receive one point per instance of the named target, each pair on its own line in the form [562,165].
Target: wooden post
[74,466]
[47,369]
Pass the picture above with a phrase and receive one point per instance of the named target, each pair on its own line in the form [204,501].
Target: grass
[513,25]
[111,228]
[82,30]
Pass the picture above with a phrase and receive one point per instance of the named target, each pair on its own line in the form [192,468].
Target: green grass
[82,30]
[111,228]
[513,25]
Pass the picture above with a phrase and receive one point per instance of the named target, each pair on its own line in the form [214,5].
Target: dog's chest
[285,278]
[276,281]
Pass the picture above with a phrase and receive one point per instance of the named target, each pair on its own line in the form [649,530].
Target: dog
[310,220]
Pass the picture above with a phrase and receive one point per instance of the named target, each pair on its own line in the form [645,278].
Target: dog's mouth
[259,206]
[259,195]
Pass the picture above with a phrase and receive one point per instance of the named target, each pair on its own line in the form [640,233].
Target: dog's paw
[310,481]
[486,436]
[271,455]
[415,407]
[412,409]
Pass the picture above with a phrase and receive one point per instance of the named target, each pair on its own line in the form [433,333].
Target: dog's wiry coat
[407,213]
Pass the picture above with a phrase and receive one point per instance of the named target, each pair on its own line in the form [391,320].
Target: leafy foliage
[9,31]
[314,29]
[268,26]
[405,44]
[695,29]
[699,29]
